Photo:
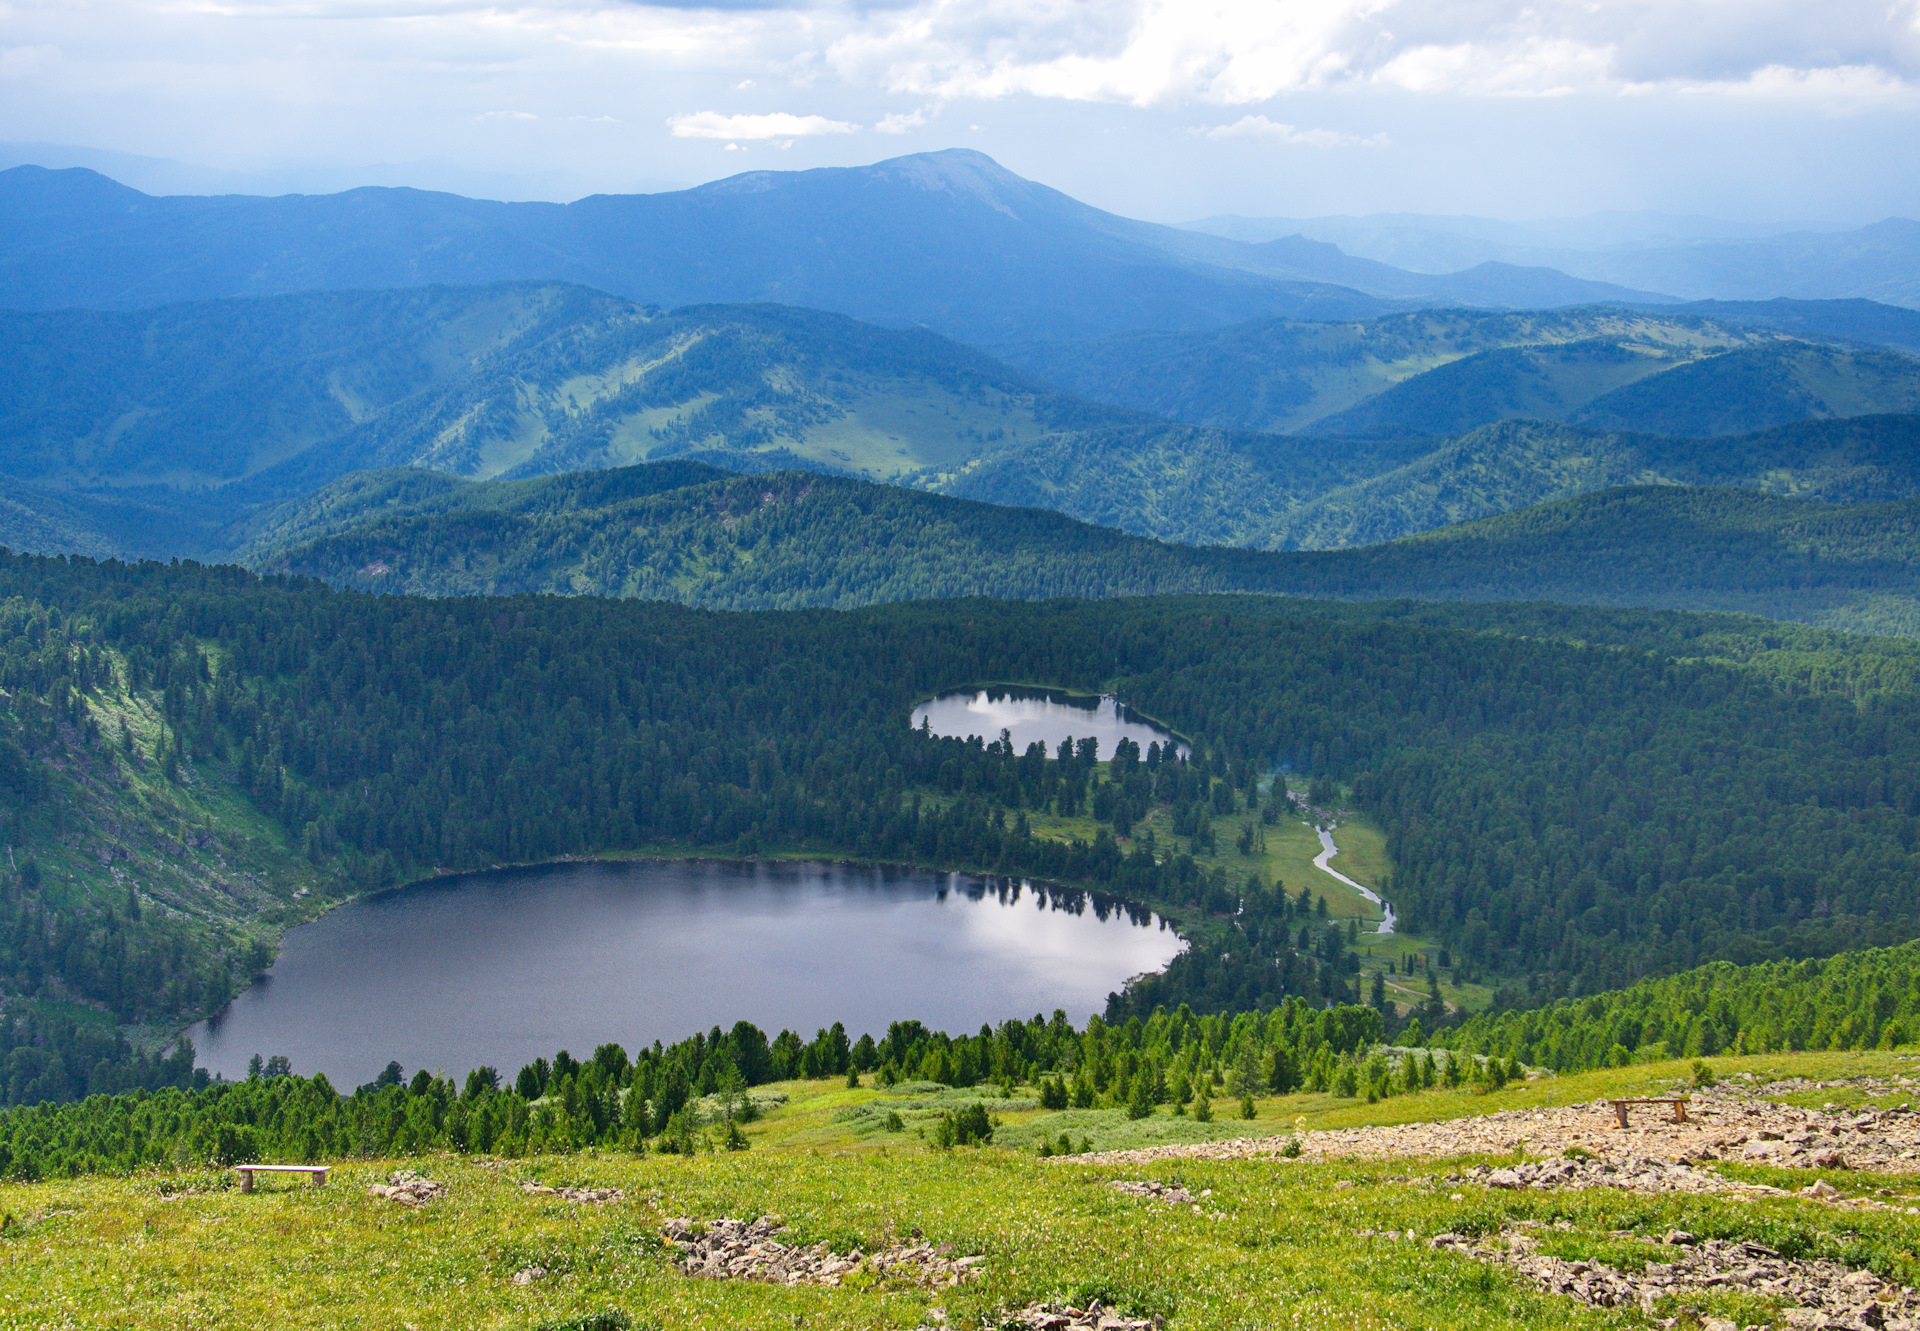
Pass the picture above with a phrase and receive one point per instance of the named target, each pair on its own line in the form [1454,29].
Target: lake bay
[498,968]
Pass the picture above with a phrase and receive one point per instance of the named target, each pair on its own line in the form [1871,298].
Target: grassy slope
[196,851]
[1279,1243]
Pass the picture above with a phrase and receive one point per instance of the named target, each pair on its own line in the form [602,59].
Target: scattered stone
[574,1194]
[1171,1194]
[1732,1121]
[526,1275]
[1629,1175]
[1064,1317]
[1821,1190]
[408,1188]
[751,1250]
[1816,1294]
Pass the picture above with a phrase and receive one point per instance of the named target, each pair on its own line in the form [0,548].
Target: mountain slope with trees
[1727,791]
[682,532]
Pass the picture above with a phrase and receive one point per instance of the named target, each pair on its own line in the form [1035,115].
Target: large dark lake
[1029,714]
[499,968]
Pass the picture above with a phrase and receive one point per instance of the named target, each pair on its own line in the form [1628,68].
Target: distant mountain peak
[960,172]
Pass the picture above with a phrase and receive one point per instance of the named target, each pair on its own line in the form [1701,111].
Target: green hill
[1516,464]
[1442,372]
[282,394]
[173,431]
[691,534]
[1758,387]
[1277,375]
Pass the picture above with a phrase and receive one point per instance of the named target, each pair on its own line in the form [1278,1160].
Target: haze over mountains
[950,240]
[309,428]
[1691,258]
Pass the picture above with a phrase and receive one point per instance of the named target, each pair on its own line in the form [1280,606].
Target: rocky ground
[1064,1317]
[1170,1193]
[574,1194]
[1824,1294]
[752,1250]
[408,1188]
[1723,1123]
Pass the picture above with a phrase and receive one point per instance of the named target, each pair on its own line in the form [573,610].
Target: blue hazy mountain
[948,240]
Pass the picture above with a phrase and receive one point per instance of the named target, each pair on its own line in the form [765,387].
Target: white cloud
[1236,52]
[506,115]
[777,125]
[900,122]
[1259,127]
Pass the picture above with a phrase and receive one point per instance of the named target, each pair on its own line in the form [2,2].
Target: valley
[1246,758]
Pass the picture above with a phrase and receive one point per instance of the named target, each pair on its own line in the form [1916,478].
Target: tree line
[1583,814]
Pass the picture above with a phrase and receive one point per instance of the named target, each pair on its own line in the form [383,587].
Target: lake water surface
[1040,714]
[499,968]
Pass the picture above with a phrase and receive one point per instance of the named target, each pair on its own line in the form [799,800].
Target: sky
[1772,111]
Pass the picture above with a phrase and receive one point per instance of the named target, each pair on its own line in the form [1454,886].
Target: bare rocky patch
[408,1188]
[1814,1293]
[752,1250]
[1722,1124]
[593,1195]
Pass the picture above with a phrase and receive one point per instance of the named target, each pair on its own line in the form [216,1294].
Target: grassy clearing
[1276,1244]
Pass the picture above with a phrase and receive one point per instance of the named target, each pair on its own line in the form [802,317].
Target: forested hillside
[178,431]
[1442,372]
[1513,465]
[1587,813]
[1857,1000]
[277,396]
[1282,375]
[682,532]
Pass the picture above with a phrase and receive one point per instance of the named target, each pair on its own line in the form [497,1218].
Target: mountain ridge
[951,240]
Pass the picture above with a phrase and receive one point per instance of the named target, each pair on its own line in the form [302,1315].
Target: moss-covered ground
[1275,1244]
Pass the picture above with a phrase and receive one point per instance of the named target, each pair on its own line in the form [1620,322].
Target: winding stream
[1327,851]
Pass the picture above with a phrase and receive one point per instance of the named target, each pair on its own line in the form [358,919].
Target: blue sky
[1748,109]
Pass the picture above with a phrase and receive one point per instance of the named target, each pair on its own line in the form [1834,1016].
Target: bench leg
[1620,1111]
[1679,1111]
[246,1180]
[319,1178]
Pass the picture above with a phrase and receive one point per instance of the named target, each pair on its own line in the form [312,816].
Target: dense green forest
[1279,376]
[1516,464]
[198,430]
[678,531]
[1581,812]
[660,1097]
[1609,384]
[1856,1000]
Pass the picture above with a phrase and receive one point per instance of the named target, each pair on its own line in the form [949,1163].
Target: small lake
[1040,714]
[500,968]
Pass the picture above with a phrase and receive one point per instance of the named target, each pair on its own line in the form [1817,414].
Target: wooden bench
[1679,1108]
[247,1172]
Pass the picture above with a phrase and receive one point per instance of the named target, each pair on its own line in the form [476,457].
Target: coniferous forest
[1584,797]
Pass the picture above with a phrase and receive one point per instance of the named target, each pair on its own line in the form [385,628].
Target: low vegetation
[1264,1240]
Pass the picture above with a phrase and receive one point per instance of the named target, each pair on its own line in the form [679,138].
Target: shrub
[1053,1093]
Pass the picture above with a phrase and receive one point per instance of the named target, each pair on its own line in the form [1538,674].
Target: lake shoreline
[437,968]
